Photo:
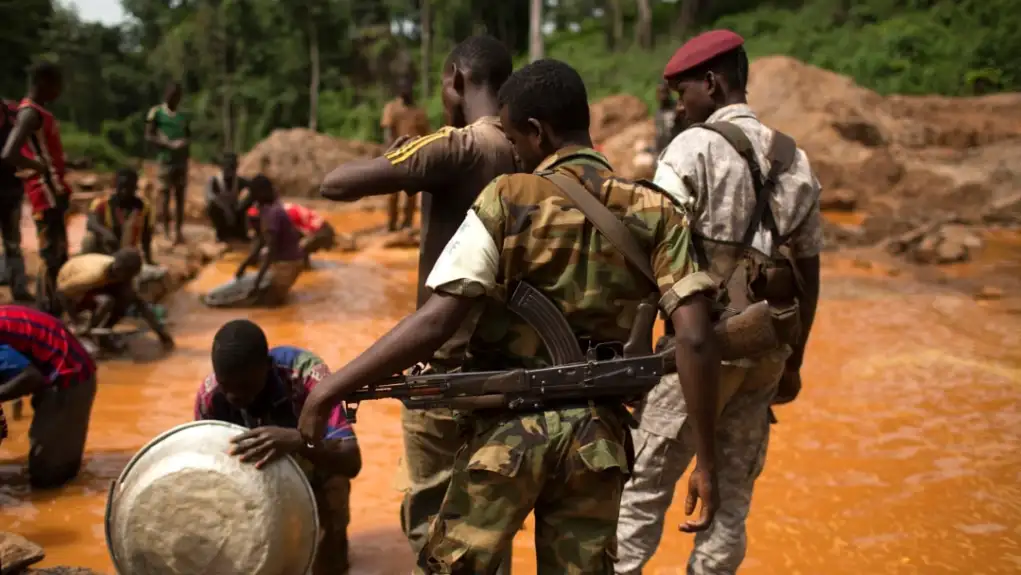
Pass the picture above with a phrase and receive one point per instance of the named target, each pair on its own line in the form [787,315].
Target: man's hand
[312,422]
[263,445]
[701,486]
[31,169]
[790,387]
[178,144]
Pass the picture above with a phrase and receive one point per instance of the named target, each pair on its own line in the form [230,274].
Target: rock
[925,252]
[63,571]
[345,243]
[840,200]
[400,239]
[962,235]
[614,114]
[950,252]
[210,251]
[988,293]
[17,553]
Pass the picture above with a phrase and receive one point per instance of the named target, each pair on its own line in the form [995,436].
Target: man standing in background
[667,126]
[34,149]
[11,197]
[402,119]
[167,128]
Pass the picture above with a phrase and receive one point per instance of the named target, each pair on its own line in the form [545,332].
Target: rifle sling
[604,220]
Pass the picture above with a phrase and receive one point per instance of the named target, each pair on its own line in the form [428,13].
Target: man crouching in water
[264,390]
[104,286]
[284,259]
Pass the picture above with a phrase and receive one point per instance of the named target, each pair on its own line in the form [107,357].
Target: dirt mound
[298,159]
[905,161]
[614,114]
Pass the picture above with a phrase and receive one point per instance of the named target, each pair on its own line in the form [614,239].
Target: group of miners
[731,218]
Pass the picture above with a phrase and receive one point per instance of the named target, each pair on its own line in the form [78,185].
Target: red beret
[700,50]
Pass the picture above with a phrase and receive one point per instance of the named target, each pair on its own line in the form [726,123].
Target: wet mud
[902,455]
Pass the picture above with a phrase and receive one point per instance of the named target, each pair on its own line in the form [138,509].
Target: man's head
[708,72]
[241,361]
[544,107]
[126,183]
[47,81]
[172,95]
[479,64]
[406,89]
[262,190]
[229,164]
[127,263]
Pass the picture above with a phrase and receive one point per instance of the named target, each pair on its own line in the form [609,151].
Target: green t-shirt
[173,125]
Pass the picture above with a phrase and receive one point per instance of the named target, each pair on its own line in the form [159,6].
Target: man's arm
[147,234]
[341,456]
[416,164]
[414,339]
[27,123]
[153,135]
[94,225]
[253,255]
[145,310]
[19,376]
[808,269]
[271,256]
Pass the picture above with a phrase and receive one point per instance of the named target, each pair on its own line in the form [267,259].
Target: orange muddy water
[903,454]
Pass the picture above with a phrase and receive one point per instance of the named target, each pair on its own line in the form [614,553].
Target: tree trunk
[686,20]
[313,88]
[536,46]
[225,111]
[615,25]
[643,26]
[426,33]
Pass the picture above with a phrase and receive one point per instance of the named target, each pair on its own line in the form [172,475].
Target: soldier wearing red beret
[719,167]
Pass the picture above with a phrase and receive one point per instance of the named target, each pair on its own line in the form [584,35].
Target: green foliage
[79,145]
[246,65]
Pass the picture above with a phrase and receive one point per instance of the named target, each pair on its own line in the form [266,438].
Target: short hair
[129,258]
[125,174]
[261,187]
[731,65]
[237,345]
[45,72]
[486,61]
[549,91]
[171,87]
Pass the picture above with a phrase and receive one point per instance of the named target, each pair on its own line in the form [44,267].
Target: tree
[536,45]
[425,25]
[643,25]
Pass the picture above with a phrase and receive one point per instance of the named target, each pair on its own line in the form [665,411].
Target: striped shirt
[47,343]
[295,372]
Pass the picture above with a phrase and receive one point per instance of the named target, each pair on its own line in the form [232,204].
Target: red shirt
[47,343]
[306,220]
[45,146]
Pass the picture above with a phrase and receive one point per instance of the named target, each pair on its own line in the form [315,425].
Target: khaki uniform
[567,463]
[399,120]
[704,173]
[451,166]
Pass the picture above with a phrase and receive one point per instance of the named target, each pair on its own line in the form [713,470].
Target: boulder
[17,553]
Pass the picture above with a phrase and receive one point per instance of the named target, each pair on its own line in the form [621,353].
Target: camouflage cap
[700,50]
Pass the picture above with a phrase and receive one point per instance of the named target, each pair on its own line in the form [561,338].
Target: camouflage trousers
[665,445]
[566,465]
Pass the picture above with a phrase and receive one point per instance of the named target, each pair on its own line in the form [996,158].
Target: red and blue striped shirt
[47,343]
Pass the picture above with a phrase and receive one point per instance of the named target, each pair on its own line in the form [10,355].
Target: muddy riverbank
[900,457]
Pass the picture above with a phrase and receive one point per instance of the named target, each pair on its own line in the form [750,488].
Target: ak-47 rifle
[574,375]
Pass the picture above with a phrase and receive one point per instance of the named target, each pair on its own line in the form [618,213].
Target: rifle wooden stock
[746,334]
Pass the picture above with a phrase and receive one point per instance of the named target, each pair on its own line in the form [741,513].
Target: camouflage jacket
[522,229]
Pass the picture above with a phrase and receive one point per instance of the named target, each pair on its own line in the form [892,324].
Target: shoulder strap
[780,156]
[604,220]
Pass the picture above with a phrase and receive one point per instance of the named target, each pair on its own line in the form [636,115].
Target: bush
[79,146]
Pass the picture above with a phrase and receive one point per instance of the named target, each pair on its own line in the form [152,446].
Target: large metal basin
[183,506]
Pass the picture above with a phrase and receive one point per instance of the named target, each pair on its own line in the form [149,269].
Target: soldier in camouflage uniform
[451,166]
[667,126]
[566,463]
[704,172]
